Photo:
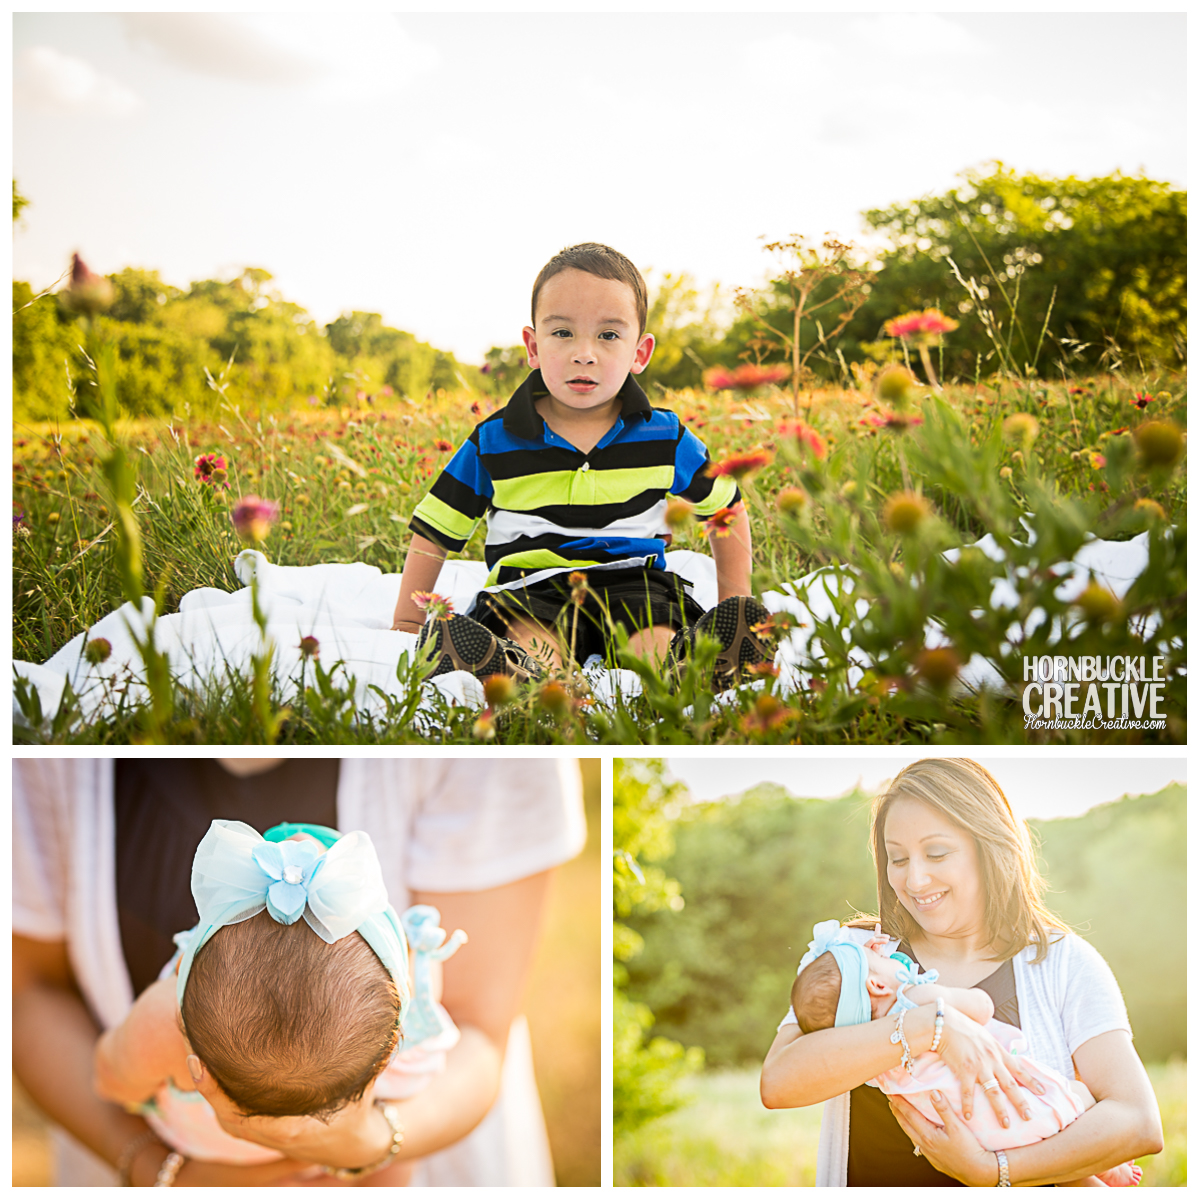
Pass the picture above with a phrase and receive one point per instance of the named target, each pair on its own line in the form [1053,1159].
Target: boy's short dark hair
[816,992]
[601,261]
[286,1024]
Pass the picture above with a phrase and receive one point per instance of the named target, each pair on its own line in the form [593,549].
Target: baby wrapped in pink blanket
[844,980]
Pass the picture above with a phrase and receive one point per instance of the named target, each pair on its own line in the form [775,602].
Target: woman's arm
[803,1069]
[483,985]
[1124,1124]
[972,1002]
[54,1039]
[135,1058]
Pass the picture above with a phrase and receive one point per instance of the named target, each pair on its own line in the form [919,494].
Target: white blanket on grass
[348,608]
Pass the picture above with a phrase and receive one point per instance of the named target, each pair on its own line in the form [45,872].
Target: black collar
[523,420]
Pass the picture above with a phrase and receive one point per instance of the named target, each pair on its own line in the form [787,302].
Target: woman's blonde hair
[965,793]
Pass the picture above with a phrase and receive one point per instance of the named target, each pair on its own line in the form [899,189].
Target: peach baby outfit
[1050,1113]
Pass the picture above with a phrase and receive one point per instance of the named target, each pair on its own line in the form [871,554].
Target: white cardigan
[1065,1000]
[438,824]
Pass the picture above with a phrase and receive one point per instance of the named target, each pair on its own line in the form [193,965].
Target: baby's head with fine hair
[816,992]
[286,1023]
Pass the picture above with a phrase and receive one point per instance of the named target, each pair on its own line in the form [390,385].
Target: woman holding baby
[958,886]
[107,870]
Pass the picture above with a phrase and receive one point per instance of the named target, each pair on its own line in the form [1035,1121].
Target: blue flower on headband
[291,865]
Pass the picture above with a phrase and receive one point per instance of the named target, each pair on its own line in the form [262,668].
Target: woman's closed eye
[931,855]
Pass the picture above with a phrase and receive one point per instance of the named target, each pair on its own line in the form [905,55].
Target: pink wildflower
[1141,399]
[920,325]
[896,422]
[744,378]
[252,518]
[808,438]
[721,522]
[210,468]
[438,607]
[740,465]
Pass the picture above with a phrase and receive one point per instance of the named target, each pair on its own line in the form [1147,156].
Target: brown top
[164,807]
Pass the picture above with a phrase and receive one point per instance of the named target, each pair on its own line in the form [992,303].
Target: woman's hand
[976,1057]
[357,1135]
[286,1172]
[953,1149]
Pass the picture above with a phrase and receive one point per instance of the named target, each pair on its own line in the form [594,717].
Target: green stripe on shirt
[537,560]
[723,492]
[526,493]
[442,517]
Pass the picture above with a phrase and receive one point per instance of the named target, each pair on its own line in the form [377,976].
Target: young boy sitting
[574,475]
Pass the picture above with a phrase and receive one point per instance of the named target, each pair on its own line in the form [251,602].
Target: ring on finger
[991,1084]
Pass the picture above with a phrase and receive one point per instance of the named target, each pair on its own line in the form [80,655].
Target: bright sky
[426,165]
[1050,785]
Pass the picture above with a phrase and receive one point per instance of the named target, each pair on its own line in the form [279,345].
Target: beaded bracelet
[906,1060]
[938,1021]
[170,1168]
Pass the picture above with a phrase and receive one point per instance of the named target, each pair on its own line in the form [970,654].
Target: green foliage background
[270,350]
[756,874]
[646,1071]
[1078,275]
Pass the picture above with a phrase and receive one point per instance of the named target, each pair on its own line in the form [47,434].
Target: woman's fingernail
[195,1068]
[937,1097]
[1027,1114]
[1005,1121]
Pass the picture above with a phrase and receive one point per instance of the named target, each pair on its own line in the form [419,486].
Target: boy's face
[586,341]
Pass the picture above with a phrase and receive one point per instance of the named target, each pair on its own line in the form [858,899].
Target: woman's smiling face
[933,867]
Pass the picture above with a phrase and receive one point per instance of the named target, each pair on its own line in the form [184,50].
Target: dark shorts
[635,597]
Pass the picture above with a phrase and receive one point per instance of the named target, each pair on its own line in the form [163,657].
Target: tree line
[1044,276]
[757,872]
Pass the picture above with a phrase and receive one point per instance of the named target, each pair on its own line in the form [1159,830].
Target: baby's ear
[876,987]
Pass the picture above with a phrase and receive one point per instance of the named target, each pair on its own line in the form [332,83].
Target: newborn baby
[845,981]
[288,1017]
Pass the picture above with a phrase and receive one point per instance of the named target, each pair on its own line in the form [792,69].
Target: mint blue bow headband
[854,1005]
[237,873]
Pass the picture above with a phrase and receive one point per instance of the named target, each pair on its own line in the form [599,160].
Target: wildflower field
[873,482]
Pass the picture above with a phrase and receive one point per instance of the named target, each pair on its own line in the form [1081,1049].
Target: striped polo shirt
[551,507]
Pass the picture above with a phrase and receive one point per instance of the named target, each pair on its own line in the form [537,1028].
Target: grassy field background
[819,490]
[724,1137]
[562,1005]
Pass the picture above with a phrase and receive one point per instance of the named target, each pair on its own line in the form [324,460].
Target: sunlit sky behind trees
[424,166]
[1043,787]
